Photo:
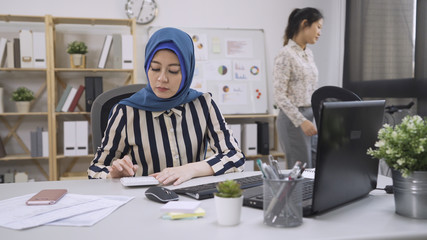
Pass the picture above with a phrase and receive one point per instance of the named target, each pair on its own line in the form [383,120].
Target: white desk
[372,217]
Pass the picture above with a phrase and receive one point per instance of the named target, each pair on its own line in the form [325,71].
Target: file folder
[249,139]
[10,61]
[3,42]
[69,138]
[17,53]
[39,49]
[105,51]
[114,60]
[127,51]
[237,133]
[82,138]
[26,46]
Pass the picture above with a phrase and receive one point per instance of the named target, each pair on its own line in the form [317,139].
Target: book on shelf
[45,144]
[127,51]
[69,99]
[76,98]
[39,49]
[93,88]
[63,98]
[10,61]
[17,53]
[2,149]
[105,51]
[114,60]
[26,46]
[37,142]
[3,42]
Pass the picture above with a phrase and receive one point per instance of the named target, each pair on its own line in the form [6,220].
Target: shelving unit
[55,79]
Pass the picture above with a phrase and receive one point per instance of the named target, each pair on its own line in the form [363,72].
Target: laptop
[344,172]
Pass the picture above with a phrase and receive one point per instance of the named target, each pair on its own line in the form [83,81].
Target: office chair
[330,94]
[102,105]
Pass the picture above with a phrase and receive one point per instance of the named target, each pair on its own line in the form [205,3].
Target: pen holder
[282,202]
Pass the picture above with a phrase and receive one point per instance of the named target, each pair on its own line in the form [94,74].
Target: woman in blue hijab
[164,129]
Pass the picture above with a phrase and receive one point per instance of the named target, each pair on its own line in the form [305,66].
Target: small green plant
[77,47]
[229,189]
[22,94]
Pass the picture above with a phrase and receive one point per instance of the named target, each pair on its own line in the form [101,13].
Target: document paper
[71,210]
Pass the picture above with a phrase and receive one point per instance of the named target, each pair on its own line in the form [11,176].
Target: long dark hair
[296,17]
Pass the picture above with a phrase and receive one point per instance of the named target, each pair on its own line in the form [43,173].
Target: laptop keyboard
[207,190]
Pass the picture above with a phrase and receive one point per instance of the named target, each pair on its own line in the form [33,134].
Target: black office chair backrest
[330,94]
[102,105]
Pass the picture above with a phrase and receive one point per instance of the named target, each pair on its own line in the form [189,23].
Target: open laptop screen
[344,172]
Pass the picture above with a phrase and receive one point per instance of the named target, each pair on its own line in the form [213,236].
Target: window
[384,49]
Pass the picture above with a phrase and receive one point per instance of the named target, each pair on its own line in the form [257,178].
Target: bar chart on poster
[230,64]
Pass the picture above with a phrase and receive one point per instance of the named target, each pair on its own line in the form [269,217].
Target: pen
[274,165]
[295,171]
[259,164]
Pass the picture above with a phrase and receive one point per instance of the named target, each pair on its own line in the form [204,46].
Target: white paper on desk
[90,218]
[16,214]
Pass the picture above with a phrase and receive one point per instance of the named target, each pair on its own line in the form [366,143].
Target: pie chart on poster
[254,70]
[222,70]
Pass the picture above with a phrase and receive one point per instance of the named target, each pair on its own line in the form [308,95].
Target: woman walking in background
[295,79]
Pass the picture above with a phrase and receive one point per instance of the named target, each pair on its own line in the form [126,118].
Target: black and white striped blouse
[157,140]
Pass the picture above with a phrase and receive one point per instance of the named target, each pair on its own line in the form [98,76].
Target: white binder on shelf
[105,51]
[114,60]
[45,144]
[26,46]
[127,51]
[237,133]
[70,138]
[39,49]
[3,42]
[10,58]
[69,99]
[82,137]
[250,139]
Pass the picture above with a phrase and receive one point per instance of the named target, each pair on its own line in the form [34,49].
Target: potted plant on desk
[404,149]
[22,97]
[228,203]
[77,51]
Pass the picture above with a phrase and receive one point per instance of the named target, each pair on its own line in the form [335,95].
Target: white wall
[270,15]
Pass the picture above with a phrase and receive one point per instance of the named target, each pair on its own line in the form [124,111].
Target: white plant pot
[22,106]
[228,210]
[77,59]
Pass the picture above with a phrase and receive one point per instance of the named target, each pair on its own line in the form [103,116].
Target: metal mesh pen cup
[283,202]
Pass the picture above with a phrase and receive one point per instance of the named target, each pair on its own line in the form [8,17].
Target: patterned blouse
[295,77]
[157,140]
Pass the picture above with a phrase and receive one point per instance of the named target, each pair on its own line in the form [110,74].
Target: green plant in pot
[228,202]
[23,97]
[404,148]
[77,51]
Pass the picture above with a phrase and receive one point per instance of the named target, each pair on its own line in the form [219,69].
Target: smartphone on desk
[47,197]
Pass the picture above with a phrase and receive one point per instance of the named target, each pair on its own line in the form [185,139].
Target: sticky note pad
[200,212]
[180,206]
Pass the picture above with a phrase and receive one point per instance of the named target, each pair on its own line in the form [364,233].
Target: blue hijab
[182,45]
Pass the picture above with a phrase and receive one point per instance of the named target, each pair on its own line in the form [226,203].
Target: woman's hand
[178,175]
[122,168]
[308,128]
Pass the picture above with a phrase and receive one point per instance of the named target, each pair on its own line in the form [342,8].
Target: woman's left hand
[178,175]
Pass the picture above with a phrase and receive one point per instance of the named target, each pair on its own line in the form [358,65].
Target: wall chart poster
[230,64]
